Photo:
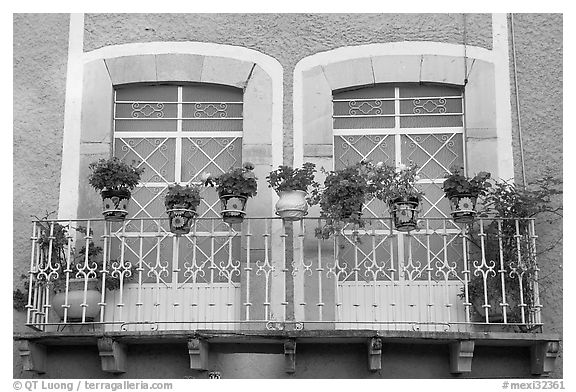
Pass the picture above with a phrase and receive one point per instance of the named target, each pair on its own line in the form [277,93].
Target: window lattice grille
[176,133]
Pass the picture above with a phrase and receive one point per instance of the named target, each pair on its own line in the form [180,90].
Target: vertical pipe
[33,268]
[320,270]
[429,269]
[105,256]
[175,273]
[139,303]
[521,267]
[517,94]
[356,304]
[484,276]
[448,305]
[393,270]
[266,236]
[502,273]
[67,271]
[337,276]
[466,272]
[535,288]
[87,239]
[212,303]
[50,268]
[195,295]
[247,304]
[284,272]
[374,278]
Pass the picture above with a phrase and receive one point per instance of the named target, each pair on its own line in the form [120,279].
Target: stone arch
[317,76]
[259,76]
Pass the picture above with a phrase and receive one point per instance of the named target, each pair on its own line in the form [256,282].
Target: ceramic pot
[463,208]
[404,213]
[115,204]
[233,208]
[76,299]
[180,218]
[292,205]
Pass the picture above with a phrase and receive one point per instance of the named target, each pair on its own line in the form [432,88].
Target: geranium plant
[344,193]
[286,178]
[188,196]
[457,184]
[181,203]
[113,174]
[396,183]
[239,181]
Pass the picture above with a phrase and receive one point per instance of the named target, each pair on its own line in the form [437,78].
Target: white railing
[263,273]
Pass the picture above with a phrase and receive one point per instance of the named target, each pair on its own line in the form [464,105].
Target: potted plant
[508,240]
[234,187]
[85,283]
[341,200]
[114,179]
[397,188]
[292,185]
[463,193]
[181,203]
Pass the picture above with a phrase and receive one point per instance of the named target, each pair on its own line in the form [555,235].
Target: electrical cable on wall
[516,92]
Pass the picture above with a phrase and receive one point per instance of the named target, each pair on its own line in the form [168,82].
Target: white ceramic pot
[292,205]
[76,299]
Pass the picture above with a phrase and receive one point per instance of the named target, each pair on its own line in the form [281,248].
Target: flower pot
[180,218]
[115,204]
[292,205]
[76,299]
[463,208]
[233,208]
[404,213]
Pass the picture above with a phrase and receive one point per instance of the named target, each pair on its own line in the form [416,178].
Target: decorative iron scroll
[365,108]
[147,110]
[430,106]
[210,110]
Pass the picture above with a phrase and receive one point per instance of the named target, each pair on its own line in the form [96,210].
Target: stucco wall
[538,41]
[287,37]
[40,56]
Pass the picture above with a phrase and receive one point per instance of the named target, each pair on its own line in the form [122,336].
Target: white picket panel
[189,307]
[401,305]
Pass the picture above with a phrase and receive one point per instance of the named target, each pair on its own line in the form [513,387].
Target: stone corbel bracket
[543,355]
[290,355]
[112,355]
[198,351]
[374,354]
[33,356]
[461,354]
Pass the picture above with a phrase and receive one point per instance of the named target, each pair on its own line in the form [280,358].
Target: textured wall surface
[538,42]
[40,56]
[287,37]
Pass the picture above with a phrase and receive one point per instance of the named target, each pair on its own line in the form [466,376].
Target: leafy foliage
[236,181]
[456,183]
[188,195]
[113,174]
[286,178]
[342,198]
[508,200]
[511,240]
[396,183]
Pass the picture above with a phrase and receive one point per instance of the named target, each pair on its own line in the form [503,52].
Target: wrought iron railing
[264,273]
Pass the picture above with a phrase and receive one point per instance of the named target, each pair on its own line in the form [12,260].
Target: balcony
[268,275]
